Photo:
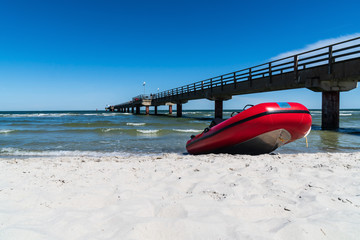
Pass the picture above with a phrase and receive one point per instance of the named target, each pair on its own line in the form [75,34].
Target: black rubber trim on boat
[248,119]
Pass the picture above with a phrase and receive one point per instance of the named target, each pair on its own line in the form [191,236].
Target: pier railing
[327,55]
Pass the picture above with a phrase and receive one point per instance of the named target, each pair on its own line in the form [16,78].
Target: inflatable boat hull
[257,130]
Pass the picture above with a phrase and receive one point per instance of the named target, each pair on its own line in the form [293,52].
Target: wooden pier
[330,69]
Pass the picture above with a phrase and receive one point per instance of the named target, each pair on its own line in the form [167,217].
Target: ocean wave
[44,115]
[111,129]
[135,124]
[6,131]
[192,113]
[90,124]
[187,130]
[34,115]
[103,130]
[149,131]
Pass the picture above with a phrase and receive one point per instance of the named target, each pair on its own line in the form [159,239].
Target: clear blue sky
[73,55]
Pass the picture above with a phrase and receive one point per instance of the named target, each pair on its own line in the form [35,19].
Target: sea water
[98,133]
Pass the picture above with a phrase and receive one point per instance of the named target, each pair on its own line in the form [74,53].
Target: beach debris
[270,168]
[215,195]
[348,166]
[320,166]
[312,186]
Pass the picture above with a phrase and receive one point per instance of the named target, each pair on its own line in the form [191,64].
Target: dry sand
[171,196]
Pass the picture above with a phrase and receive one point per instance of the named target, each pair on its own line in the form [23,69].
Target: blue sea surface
[97,133]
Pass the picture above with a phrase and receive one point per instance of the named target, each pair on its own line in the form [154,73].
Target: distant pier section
[330,69]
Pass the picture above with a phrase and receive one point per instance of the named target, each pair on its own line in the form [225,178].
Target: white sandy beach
[171,196]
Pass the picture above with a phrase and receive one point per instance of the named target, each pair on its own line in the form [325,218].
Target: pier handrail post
[234,79]
[222,83]
[270,73]
[296,61]
[211,85]
[331,59]
[194,88]
[202,85]
[250,79]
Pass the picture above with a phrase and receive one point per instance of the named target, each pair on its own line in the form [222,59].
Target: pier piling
[179,110]
[218,108]
[330,110]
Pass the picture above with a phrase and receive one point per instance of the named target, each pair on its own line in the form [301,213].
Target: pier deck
[329,69]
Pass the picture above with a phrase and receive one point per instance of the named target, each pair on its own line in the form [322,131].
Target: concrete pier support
[179,110]
[170,109]
[155,110]
[147,110]
[132,109]
[137,109]
[218,108]
[330,110]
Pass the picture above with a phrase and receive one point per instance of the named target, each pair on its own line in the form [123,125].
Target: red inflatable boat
[256,130]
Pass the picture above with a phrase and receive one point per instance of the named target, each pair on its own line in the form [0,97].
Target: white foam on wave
[192,112]
[135,124]
[109,114]
[29,115]
[187,130]
[345,114]
[150,131]
[111,129]
[5,131]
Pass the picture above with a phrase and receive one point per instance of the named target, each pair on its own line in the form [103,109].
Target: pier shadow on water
[342,139]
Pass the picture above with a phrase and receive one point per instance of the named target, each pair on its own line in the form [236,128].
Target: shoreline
[175,196]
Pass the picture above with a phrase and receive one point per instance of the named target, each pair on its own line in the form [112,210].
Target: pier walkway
[329,69]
